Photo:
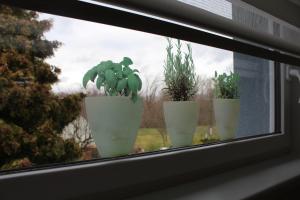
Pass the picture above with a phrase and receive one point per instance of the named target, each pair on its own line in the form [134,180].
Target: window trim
[123,176]
[130,19]
[199,17]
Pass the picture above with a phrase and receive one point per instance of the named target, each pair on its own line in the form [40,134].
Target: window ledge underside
[241,183]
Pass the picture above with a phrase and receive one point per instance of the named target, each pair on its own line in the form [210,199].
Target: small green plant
[179,71]
[115,78]
[226,86]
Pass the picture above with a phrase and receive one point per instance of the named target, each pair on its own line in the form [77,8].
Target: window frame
[120,177]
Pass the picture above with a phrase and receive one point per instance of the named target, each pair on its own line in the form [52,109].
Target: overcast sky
[85,44]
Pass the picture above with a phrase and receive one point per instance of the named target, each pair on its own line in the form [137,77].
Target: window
[86,44]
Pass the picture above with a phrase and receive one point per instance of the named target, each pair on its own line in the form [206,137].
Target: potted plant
[114,118]
[226,104]
[181,114]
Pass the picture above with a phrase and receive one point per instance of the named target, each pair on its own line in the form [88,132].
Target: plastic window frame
[123,177]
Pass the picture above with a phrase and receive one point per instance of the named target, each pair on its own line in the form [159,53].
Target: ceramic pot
[114,122]
[227,112]
[181,118]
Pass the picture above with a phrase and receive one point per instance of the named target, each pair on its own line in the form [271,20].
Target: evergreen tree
[31,116]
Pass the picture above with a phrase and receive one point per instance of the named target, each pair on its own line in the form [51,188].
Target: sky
[85,44]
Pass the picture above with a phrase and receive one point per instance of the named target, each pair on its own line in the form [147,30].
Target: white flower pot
[227,112]
[181,119]
[114,122]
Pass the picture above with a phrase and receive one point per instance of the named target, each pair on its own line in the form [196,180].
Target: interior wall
[283,9]
[293,117]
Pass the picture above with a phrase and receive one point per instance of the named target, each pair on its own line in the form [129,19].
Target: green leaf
[90,75]
[108,64]
[134,97]
[110,78]
[139,82]
[86,78]
[127,71]
[135,70]
[117,67]
[99,81]
[106,88]
[133,83]
[104,65]
[121,85]
[113,93]
[119,74]
[93,75]
[126,61]
[109,75]
[101,67]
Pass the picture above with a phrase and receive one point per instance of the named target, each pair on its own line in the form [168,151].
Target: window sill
[241,183]
[141,175]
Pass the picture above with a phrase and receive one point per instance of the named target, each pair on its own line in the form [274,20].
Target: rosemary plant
[179,72]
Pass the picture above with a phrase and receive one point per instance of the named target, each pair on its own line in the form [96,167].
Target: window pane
[257,94]
[155,93]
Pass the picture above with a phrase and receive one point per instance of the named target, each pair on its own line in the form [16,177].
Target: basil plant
[117,79]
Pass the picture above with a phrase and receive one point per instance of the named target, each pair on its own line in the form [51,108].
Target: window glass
[73,90]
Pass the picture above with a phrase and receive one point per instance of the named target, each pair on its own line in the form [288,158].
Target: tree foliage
[179,72]
[31,116]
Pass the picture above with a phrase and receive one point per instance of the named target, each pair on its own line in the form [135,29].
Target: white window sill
[240,183]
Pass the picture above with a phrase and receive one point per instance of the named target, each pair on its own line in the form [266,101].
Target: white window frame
[131,175]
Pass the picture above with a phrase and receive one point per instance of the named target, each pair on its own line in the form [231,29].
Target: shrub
[18,163]
[39,147]
[31,116]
